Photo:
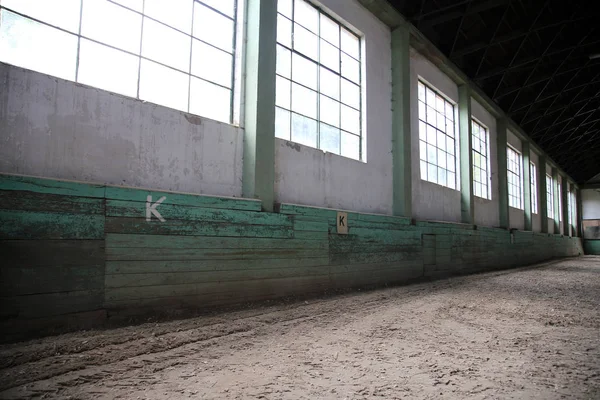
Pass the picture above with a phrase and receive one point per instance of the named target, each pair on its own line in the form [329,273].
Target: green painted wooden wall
[75,249]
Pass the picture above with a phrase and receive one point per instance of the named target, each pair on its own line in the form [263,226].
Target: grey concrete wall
[487,212]
[590,203]
[59,129]
[536,220]
[430,201]
[308,176]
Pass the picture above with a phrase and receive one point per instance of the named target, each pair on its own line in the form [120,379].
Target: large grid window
[550,196]
[560,209]
[481,171]
[179,54]
[318,81]
[571,208]
[437,145]
[515,195]
[533,188]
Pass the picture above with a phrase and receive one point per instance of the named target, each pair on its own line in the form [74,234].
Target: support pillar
[467,210]
[579,213]
[501,126]
[259,128]
[556,197]
[401,126]
[565,206]
[543,204]
[527,186]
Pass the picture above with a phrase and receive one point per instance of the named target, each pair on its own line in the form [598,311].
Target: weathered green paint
[565,205]
[467,209]
[401,123]
[543,203]
[591,247]
[556,197]
[259,128]
[24,183]
[46,202]
[42,225]
[501,136]
[527,185]
[186,254]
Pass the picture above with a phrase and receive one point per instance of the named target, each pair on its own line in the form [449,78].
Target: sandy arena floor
[518,334]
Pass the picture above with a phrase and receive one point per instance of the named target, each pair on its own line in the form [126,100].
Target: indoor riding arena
[299,199]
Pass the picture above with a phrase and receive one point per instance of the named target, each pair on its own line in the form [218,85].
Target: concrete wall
[536,219]
[59,129]
[487,212]
[308,176]
[590,204]
[430,201]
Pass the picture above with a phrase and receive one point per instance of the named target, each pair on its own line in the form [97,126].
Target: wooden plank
[34,280]
[330,214]
[51,253]
[31,201]
[114,240]
[304,224]
[43,225]
[186,254]
[410,253]
[136,209]
[183,199]
[49,304]
[50,186]
[193,228]
[133,267]
[178,278]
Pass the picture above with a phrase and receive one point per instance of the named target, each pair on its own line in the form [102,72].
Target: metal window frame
[234,19]
[549,197]
[423,158]
[517,174]
[485,159]
[533,187]
[292,49]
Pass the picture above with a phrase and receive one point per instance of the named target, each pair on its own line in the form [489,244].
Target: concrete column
[573,191]
[556,197]
[467,209]
[565,203]
[259,130]
[401,124]
[579,213]
[502,172]
[543,204]
[527,186]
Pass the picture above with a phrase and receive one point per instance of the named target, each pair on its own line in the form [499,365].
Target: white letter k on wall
[151,208]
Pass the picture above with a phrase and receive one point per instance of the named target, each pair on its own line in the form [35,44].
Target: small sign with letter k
[342,223]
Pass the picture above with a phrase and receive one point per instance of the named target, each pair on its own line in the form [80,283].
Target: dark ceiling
[532,57]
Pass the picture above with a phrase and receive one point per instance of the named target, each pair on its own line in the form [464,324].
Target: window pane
[109,69]
[421,90]
[330,30]
[175,13]
[227,7]
[36,46]
[350,120]
[211,64]
[163,85]
[350,69]
[350,43]
[284,31]
[350,94]
[432,173]
[330,111]
[423,170]
[304,71]
[166,45]
[65,16]
[304,130]
[306,15]
[284,62]
[330,56]
[136,5]
[350,146]
[125,26]
[283,93]
[330,139]
[210,100]
[285,7]
[304,101]
[422,150]
[282,123]
[306,42]
[330,83]
[213,28]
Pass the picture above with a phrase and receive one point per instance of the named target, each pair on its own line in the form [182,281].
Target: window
[534,189]
[572,216]
[437,146]
[559,195]
[515,198]
[481,175]
[318,95]
[179,54]
[549,197]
